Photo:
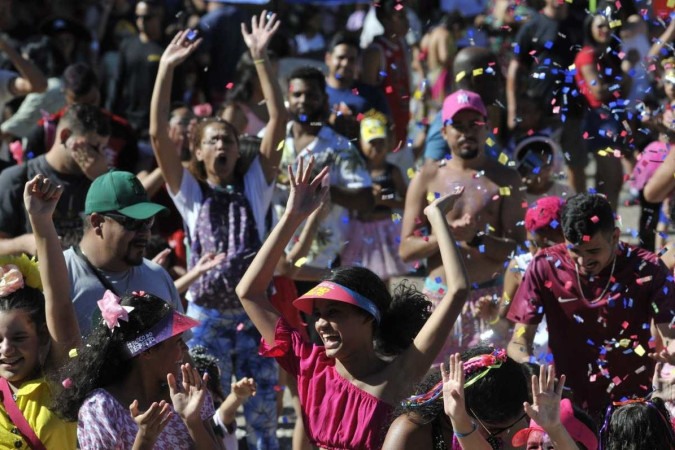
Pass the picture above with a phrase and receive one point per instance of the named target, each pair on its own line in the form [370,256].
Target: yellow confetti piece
[72,353]
[602,153]
[639,350]
[503,158]
[520,332]
[460,76]
[615,23]
[417,95]
[281,145]
[624,342]
[431,197]
[505,191]
[477,72]
[300,262]
[491,228]
[490,142]
[410,173]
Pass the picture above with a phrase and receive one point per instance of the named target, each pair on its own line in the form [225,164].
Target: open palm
[188,402]
[262,30]
[306,196]
[180,48]
[545,408]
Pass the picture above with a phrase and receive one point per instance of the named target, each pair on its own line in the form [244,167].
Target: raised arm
[305,197]
[168,158]
[429,341]
[40,198]
[414,245]
[262,31]
[662,183]
[31,78]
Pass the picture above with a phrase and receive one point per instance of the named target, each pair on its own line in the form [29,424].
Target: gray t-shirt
[87,288]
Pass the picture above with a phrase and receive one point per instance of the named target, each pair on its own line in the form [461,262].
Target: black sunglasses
[130,224]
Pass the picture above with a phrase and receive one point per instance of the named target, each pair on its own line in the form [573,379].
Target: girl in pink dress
[376,346]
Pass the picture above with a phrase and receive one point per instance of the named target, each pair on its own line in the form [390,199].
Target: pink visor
[576,428]
[172,324]
[332,291]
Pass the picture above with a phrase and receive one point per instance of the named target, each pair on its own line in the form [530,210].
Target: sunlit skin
[125,247]
[218,150]
[592,256]
[538,440]
[20,347]
[166,357]
[466,134]
[88,153]
[343,328]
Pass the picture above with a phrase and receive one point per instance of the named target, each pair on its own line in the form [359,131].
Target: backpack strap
[17,417]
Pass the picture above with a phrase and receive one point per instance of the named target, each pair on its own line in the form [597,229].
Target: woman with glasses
[495,389]
[224,207]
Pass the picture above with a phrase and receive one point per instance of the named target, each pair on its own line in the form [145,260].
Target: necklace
[604,291]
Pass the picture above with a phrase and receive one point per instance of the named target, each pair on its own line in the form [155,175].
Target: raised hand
[188,402]
[486,308]
[181,46]
[446,202]
[306,196]
[244,388]
[208,261]
[453,389]
[40,196]
[545,409]
[151,423]
[262,30]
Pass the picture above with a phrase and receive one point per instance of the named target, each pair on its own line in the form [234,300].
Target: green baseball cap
[122,192]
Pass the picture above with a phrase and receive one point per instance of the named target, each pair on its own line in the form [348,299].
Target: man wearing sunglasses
[117,221]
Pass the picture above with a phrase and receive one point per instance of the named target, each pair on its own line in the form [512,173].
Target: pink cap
[542,213]
[462,100]
[576,428]
[329,290]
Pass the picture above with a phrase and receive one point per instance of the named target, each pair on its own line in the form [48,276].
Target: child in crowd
[446,415]
[224,422]
[375,345]
[374,236]
[125,367]
[542,222]
[38,327]
[536,162]
[637,424]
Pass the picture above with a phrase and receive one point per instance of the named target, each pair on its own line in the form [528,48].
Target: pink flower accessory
[11,279]
[112,311]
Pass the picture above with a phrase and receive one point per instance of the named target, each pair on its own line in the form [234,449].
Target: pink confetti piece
[240,327]
[585,238]
[67,383]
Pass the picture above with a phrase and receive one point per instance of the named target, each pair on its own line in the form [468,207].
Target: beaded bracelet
[474,427]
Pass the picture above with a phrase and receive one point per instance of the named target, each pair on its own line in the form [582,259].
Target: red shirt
[604,342]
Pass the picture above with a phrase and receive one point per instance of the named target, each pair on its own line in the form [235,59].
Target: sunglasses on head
[130,224]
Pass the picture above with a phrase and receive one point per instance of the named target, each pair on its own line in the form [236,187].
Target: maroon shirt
[601,346]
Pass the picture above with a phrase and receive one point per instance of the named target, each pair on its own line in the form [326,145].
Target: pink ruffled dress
[337,414]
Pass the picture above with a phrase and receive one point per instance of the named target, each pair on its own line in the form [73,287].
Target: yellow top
[33,399]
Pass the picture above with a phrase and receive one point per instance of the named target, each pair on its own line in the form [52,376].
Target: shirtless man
[486,222]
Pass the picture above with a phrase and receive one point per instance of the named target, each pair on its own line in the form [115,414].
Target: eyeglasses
[130,224]
[493,435]
[226,140]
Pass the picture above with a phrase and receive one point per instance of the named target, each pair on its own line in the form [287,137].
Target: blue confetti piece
[302,117]
[548,44]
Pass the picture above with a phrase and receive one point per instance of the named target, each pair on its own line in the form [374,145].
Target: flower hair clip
[112,311]
[17,272]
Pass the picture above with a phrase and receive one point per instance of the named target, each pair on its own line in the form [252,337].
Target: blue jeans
[232,338]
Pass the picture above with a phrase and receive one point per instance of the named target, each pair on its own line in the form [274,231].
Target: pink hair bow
[112,311]
[11,279]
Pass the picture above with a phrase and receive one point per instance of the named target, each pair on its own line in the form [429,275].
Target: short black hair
[341,38]
[79,78]
[83,119]
[586,214]
[308,73]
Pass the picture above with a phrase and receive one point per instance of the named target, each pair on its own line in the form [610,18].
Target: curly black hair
[497,396]
[585,215]
[403,314]
[103,359]
[640,425]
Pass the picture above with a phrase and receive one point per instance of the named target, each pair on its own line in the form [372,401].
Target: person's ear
[64,135]
[96,221]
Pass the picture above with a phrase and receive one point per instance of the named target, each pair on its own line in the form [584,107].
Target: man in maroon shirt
[599,296]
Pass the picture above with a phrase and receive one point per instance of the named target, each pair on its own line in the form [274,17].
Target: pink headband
[333,291]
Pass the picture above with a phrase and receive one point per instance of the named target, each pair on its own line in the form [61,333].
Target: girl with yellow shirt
[38,326]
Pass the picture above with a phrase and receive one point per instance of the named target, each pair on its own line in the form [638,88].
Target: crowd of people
[205,204]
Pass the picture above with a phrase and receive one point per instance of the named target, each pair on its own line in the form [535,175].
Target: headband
[479,363]
[330,290]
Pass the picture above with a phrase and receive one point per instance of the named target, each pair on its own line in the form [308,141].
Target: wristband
[476,241]
[259,61]
[474,427]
